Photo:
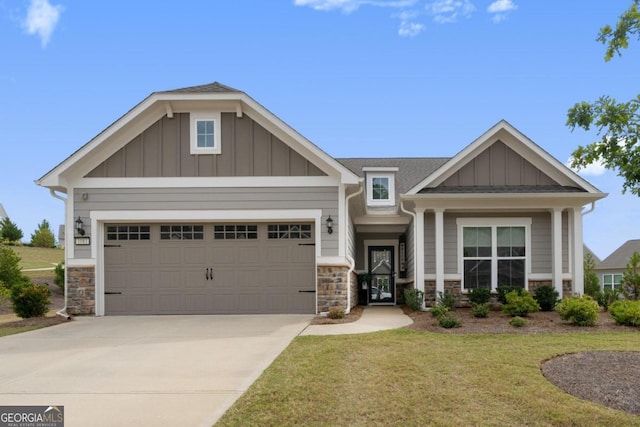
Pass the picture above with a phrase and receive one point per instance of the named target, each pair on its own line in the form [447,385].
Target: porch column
[556,249]
[578,252]
[419,250]
[439,223]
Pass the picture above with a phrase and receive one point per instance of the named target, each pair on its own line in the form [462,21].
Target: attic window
[205,133]
[381,186]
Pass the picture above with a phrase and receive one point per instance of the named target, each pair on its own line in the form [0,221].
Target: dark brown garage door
[209,268]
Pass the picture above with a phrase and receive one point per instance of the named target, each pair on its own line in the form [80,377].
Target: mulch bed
[57,302]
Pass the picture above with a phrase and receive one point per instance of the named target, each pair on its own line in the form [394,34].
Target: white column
[439,226]
[419,250]
[556,249]
[578,252]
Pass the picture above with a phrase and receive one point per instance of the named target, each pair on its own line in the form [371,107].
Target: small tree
[591,282]
[10,274]
[43,236]
[9,231]
[631,278]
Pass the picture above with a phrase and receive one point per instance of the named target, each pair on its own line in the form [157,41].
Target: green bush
[439,310]
[480,310]
[479,295]
[336,313]
[608,297]
[631,278]
[591,282]
[30,300]
[517,322]
[9,231]
[581,311]
[520,303]
[449,321]
[414,298]
[626,312]
[10,274]
[448,298]
[547,297]
[43,237]
[502,291]
[59,275]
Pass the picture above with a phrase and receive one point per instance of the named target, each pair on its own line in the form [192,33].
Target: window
[289,231]
[381,187]
[205,133]
[235,232]
[128,232]
[494,255]
[181,232]
[611,281]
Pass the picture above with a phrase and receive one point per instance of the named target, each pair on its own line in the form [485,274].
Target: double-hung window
[494,252]
[205,133]
[611,281]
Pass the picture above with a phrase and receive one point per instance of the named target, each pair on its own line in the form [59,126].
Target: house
[611,269]
[3,213]
[200,200]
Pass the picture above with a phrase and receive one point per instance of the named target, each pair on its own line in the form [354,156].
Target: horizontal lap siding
[213,199]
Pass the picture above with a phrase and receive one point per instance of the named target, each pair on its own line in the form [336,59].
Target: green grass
[38,257]
[410,378]
[4,331]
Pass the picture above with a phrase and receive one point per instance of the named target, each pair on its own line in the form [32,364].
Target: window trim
[216,118]
[494,223]
[613,280]
[391,201]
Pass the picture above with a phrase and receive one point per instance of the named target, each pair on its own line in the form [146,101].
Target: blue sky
[356,77]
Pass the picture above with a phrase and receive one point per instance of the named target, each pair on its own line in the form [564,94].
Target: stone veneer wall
[354,289]
[81,290]
[333,287]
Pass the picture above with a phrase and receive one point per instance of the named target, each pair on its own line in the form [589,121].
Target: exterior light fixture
[329,225]
[79,225]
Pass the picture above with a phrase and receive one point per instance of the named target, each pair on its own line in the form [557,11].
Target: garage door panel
[139,304]
[169,279]
[194,255]
[171,303]
[170,255]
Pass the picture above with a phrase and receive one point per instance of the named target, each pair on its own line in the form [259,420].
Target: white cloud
[348,6]
[594,169]
[500,9]
[448,11]
[42,18]
[410,29]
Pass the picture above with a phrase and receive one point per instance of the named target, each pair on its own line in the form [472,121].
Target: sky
[359,78]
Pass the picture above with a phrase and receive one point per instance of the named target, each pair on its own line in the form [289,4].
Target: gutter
[352,262]
[63,311]
[591,209]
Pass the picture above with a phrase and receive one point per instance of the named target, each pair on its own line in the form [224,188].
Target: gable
[498,165]
[163,150]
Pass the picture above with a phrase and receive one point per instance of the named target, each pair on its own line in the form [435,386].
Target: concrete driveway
[142,370]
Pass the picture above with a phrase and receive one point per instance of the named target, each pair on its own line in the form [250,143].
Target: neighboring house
[200,200]
[611,269]
[3,213]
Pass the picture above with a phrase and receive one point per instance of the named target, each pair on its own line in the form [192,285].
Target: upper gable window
[205,133]
[381,187]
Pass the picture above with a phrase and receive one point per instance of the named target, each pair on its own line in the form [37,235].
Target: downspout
[350,260]
[63,311]
[415,242]
[588,211]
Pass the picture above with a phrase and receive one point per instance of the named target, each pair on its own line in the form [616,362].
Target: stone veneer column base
[333,288]
[81,290]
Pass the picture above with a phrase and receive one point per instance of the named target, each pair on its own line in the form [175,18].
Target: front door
[381,268]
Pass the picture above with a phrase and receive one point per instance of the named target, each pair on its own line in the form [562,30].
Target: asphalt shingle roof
[214,87]
[620,257]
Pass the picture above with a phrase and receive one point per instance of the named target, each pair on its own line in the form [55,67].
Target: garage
[209,268]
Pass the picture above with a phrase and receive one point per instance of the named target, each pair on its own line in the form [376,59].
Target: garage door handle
[307,292]
[113,293]
[206,275]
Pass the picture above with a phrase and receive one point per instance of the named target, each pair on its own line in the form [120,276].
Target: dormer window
[205,133]
[380,186]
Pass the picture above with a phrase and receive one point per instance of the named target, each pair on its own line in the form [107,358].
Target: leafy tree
[591,282]
[631,278]
[9,230]
[10,275]
[618,123]
[43,236]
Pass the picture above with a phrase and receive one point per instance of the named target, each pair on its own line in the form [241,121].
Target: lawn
[38,257]
[413,378]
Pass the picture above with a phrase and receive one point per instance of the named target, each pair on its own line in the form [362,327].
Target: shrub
[479,295]
[520,303]
[448,298]
[517,322]
[9,231]
[631,278]
[480,310]
[10,273]
[581,311]
[43,237]
[502,291]
[591,282]
[626,312]
[59,275]
[30,300]
[336,313]
[547,297]
[439,310]
[608,297]
[414,298]
[449,321]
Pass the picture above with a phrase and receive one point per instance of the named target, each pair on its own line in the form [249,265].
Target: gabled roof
[159,104]
[586,250]
[620,257]
[568,180]
[3,213]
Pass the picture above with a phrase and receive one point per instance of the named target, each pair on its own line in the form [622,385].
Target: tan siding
[541,243]
[164,150]
[450,244]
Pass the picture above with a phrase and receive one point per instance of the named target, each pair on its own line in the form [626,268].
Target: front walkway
[374,318]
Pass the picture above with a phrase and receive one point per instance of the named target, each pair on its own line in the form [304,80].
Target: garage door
[209,268]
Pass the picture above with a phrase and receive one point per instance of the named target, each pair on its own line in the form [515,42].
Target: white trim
[556,249]
[447,277]
[379,169]
[332,261]
[204,182]
[202,116]
[439,242]
[342,221]
[80,262]
[418,251]
[391,201]
[577,252]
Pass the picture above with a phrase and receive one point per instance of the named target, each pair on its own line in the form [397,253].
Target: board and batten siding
[164,150]
[209,199]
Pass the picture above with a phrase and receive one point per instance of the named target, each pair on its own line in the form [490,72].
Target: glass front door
[381,268]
